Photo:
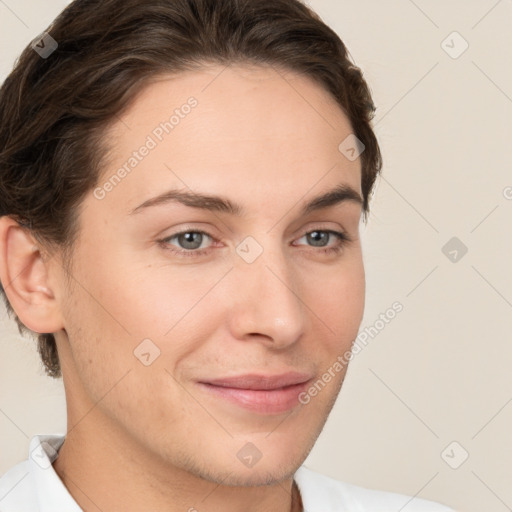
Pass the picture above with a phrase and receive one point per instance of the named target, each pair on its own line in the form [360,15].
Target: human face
[254,295]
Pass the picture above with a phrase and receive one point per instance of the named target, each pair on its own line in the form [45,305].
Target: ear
[24,277]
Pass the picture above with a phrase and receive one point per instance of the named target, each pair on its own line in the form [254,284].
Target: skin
[148,437]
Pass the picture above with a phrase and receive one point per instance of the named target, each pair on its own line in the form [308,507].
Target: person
[182,184]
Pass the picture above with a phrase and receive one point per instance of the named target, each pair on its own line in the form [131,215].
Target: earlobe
[24,277]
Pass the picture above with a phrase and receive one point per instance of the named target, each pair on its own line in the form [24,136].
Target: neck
[296,499]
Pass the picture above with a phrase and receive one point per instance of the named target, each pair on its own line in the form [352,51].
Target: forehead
[240,101]
[246,127]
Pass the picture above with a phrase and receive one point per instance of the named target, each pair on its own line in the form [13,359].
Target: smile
[260,394]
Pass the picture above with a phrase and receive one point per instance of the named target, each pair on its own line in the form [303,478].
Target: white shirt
[34,486]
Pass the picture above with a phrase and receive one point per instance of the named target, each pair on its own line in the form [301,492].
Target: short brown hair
[54,110]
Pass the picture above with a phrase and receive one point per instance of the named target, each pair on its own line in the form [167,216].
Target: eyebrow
[337,195]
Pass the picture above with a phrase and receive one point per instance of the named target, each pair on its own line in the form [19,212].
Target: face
[169,299]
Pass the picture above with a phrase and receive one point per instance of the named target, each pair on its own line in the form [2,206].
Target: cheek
[338,301]
[126,299]
[108,369]
[121,320]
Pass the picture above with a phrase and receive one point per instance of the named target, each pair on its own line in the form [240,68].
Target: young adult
[182,184]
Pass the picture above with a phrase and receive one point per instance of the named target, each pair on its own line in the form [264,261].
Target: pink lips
[265,394]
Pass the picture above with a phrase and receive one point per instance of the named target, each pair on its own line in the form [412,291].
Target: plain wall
[438,372]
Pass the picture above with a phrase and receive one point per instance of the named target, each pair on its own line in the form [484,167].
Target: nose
[266,301]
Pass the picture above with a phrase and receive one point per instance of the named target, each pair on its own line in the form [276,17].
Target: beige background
[440,371]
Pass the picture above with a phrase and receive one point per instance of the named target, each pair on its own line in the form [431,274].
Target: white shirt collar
[51,494]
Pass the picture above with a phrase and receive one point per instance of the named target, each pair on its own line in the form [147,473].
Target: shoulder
[17,492]
[33,484]
[321,493]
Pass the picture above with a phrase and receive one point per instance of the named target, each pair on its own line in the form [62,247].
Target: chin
[223,469]
[268,474]
[277,463]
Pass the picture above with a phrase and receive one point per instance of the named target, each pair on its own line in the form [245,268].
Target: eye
[321,237]
[190,241]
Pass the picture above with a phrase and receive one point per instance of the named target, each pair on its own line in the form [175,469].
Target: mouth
[263,394]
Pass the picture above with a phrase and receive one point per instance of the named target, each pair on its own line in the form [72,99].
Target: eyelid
[164,241]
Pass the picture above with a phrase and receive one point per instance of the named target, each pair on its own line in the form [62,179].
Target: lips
[261,382]
[264,394]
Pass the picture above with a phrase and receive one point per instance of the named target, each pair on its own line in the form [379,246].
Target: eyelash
[187,253]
